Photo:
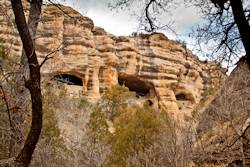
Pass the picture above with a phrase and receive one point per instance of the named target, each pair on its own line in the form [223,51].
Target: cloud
[116,24]
[186,17]
[122,23]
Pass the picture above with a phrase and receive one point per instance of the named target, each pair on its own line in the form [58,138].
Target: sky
[123,22]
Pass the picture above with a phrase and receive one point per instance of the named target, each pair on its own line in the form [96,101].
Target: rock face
[92,60]
[224,126]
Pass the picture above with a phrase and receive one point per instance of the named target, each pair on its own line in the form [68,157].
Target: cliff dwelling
[185,101]
[135,84]
[144,90]
[182,97]
[149,65]
[68,79]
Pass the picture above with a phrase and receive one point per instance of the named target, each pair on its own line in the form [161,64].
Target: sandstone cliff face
[155,67]
[224,126]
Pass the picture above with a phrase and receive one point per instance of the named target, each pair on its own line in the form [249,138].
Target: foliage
[51,144]
[97,126]
[114,101]
[50,127]
[220,127]
[83,102]
[111,105]
[136,130]
[138,136]
[14,109]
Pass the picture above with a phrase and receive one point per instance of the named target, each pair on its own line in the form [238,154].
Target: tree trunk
[34,18]
[244,30]
[33,84]
[243,25]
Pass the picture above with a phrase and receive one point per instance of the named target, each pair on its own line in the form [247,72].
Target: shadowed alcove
[184,97]
[181,97]
[185,100]
[68,79]
[135,84]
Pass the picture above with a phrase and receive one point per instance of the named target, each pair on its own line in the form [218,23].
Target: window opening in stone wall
[184,97]
[68,79]
[181,97]
[134,84]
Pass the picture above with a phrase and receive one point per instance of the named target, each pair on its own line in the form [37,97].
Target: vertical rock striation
[153,66]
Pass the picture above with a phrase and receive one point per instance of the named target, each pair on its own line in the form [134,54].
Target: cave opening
[134,84]
[184,97]
[181,96]
[150,103]
[68,79]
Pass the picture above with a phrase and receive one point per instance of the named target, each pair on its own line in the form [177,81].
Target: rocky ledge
[91,60]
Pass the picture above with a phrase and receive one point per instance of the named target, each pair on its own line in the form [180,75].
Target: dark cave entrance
[68,79]
[181,97]
[184,100]
[184,97]
[135,84]
[150,103]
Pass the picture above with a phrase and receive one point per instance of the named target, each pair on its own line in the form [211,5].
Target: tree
[33,20]
[114,100]
[224,34]
[33,82]
[140,135]
[135,130]
[226,29]
[149,11]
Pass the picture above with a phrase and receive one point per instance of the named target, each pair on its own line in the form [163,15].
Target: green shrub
[136,130]
[97,126]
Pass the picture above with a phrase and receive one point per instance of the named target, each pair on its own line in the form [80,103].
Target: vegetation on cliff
[131,124]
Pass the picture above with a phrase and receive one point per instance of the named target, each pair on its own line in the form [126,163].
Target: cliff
[224,126]
[91,60]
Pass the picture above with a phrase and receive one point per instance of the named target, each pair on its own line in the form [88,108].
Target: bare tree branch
[49,56]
